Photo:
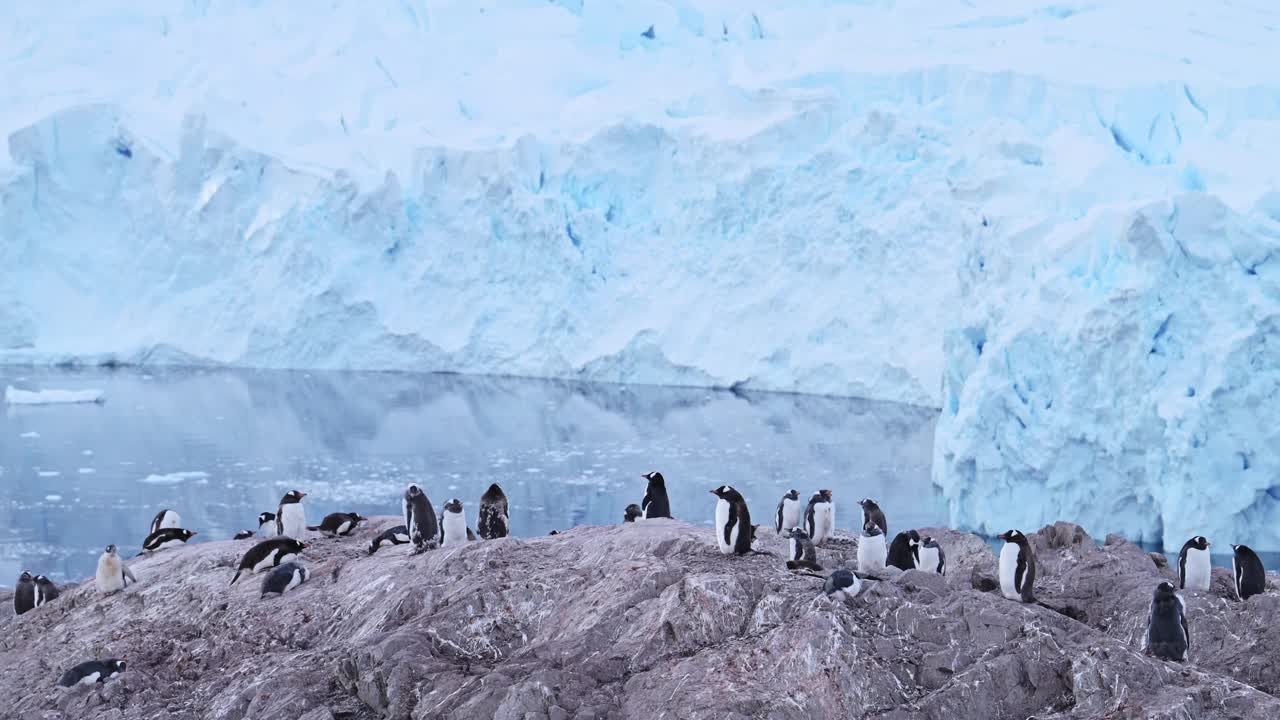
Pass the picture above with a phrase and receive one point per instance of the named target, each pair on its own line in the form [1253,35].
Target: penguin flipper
[235,577]
[124,569]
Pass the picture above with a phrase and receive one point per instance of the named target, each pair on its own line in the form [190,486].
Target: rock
[637,620]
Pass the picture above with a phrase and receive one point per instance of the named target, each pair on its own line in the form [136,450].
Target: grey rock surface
[639,620]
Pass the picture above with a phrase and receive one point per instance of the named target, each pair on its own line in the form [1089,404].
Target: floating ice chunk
[174,478]
[86,471]
[48,473]
[30,435]
[14,396]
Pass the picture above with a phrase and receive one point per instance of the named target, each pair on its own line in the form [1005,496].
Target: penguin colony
[805,526]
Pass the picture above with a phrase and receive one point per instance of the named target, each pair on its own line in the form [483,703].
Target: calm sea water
[220,446]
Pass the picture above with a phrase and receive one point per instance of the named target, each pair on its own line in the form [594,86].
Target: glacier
[869,198]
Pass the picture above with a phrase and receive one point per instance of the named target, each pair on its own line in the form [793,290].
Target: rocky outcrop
[642,620]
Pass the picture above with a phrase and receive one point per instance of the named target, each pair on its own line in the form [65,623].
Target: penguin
[113,574]
[871,513]
[494,522]
[335,524]
[820,517]
[398,535]
[871,549]
[733,521]
[453,524]
[291,517]
[243,535]
[842,585]
[24,595]
[267,524]
[655,503]
[788,513]
[904,551]
[802,555]
[1168,636]
[632,513]
[1246,568]
[1017,567]
[1194,570]
[267,553]
[420,519]
[90,672]
[165,519]
[283,579]
[166,538]
[46,591]
[930,557]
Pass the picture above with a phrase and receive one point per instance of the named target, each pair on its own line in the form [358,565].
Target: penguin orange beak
[194,533]
[302,494]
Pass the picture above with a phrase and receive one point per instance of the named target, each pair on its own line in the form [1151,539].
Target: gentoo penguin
[904,551]
[166,538]
[283,579]
[24,596]
[632,513]
[453,524]
[93,671]
[398,535]
[1194,570]
[788,513]
[802,555]
[871,549]
[930,556]
[655,503]
[733,521]
[291,518]
[268,553]
[165,519]
[1246,568]
[243,535]
[820,517]
[267,524]
[338,523]
[1168,636]
[1017,567]
[494,520]
[46,591]
[842,585]
[420,518]
[871,513]
[113,574]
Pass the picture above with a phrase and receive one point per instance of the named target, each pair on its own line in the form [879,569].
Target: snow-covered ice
[31,435]
[174,478]
[14,396]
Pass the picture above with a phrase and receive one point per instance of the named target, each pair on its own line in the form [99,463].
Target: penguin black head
[266,517]
[243,535]
[1199,542]
[928,541]
[914,537]
[453,506]
[357,517]
[632,512]
[1165,589]
[554,532]
[297,545]
[725,492]
[413,491]
[870,529]
[798,533]
[24,577]
[655,478]
[792,495]
[111,550]
[117,664]
[292,496]
[868,504]
[186,534]
[823,495]
[1013,536]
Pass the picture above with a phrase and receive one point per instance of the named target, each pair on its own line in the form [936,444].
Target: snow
[174,478]
[14,396]
[32,434]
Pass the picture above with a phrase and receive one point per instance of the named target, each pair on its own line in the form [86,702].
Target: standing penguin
[655,503]
[46,591]
[166,538]
[842,585]
[453,525]
[802,555]
[733,522]
[283,579]
[1194,570]
[420,519]
[1168,636]
[268,553]
[339,523]
[24,595]
[1017,567]
[871,513]
[291,518]
[1246,568]
[398,535]
[165,519]
[930,556]
[113,574]
[494,522]
[871,549]
[820,517]
[904,551]
[267,524]
[90,672]
[632,513]
[788,513]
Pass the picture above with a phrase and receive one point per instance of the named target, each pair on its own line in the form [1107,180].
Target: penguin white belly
[294,581]
[871,554]
[928,559]
[455,528]
[267,529]
[824,522]
[266,562]
[794,553]
[1009,571]
[344,527]
[109,578]
[790,515]
[293,519]
[402,537]
[90,679]
[722,519]
[170,519]
[1199,571]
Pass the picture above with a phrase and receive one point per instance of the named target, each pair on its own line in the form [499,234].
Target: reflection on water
[220,446]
